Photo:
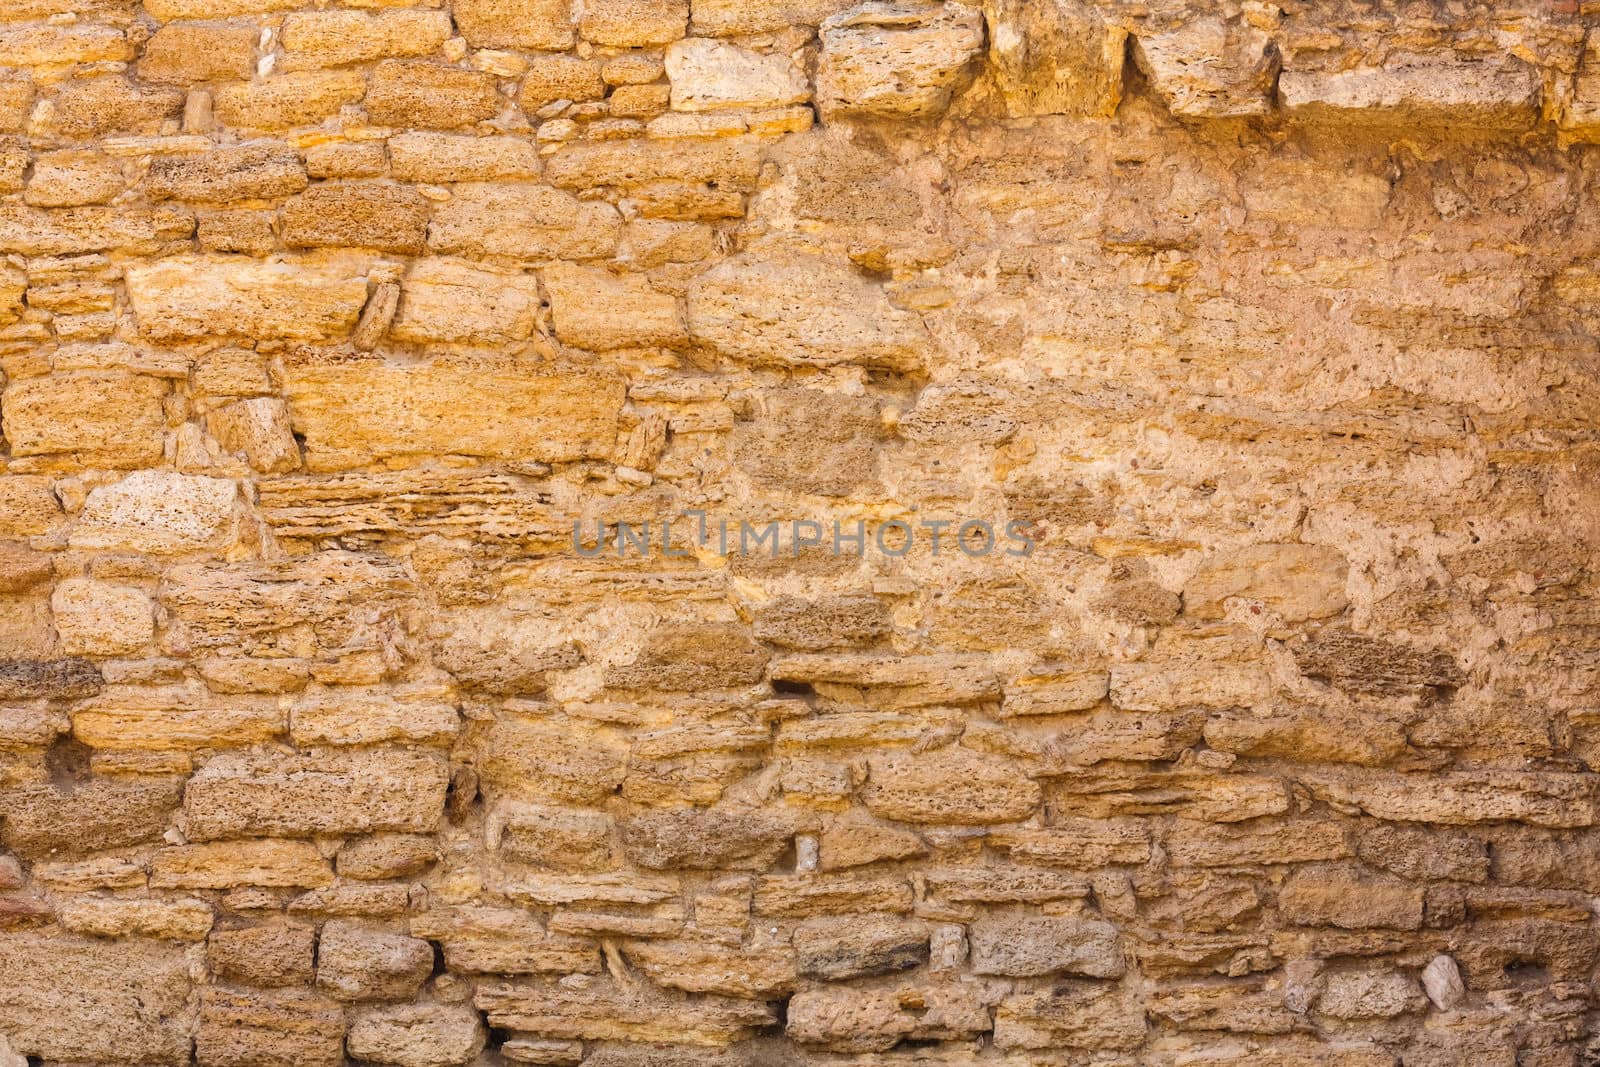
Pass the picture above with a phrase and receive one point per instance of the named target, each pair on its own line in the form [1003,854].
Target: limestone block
[42,46]
[1213,667]
[633,23]
[715,839]
[709,74]
[549,760]
[1461,798]
[185,53]
[287,100]
[357,214]
[251,171]
[449,300]
[407,92]
[96,618]
[91,228]
[380,856]
[949,785]
[182,919]
[168,718]
[598,310]
[1072,1015]
[496,940]
[1061,58]
[356,962]
[729,18]
[539,25]
[841,948]
[1502,95]
[895,60]
[314,39]
[94,107]
[523,222]
[561,77]
[759,970]
[554,838]
[239,1026]
[1320,896]
[354,717]
[351,413]
[296,298]
[897,681]
[106,418]
[1207,68]
[600,1010]
[259,862]
[112,1001]
[259,429]
[802,312]
[1045,945]
[276,954]
[101,813]
[416,1035]
[423,156]
[74,179]
[162,512]
[335,792]
[1374,993]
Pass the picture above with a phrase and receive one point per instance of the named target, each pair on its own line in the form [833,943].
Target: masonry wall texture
[1273,325]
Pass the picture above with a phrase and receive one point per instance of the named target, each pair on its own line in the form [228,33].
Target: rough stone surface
[799,533]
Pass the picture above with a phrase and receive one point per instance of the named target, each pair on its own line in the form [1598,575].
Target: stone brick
[262,170]
[538,25]
[716,839]
[1209,68]
[258,429]
[183,919]
[1469,93]
[356,962]
[523,222]
[42,46]
[349,413]
[270,955]
[1299,582]
[1333,897]
[96,618]
[839,949]
[379,215]
[75,179]
[452,301]
[708,74]
[448,157]
[633,23]
[104,418]
[94,107]
[161,512]
[286,100]
[97,814]
[597,310]
[417,93]
[184,53]
[231,864]
[895,60]
[559,77]
[949,785]
[238,1028]
[307,299]
[375,789]
[416,1035]
[313,39]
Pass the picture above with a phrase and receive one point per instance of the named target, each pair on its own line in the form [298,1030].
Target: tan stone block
[801,312]
[448,300]
[550,760]
[949,785]
[756,971]
[105,418]
[552,78]
[1208,68]
[345,159]
[248,862]
[41,46]
[313,39]
[598,310]
[1070,1015]
[164,719]
[524,222]
[553,838]
[270,955]
[259,429]
[262,170]
[727,18]
[314,297]
[184,919]
[633,23]
[1462,92]
[416,1035]
[23,569]
[380,856]
[357,962]
[184,53]
[74,178]
[838,949]
[407,92]
[16,102]
[1213,667]
[496,940]
[379,215]
[351,412]
[1335,896]
[708,74]
[895,60]
[94,107]
[169,10]
[600,1010]
[96,618]
[727,838]
[76,230]
[71,998]
[241,1028]
[540,25]
[1299,582]
[161,512]
[803,896]
[421,156]
[297,99]
[101,813]
[346,717]
[1462,798]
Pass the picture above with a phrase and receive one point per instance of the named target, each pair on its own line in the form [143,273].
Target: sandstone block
[801,312]
[446,157]
[814,442]
[828,622]
[1212,667]
[351,413]
[184,53]
[171,920]
[1018,947]
[1460,798]
[58,679]
[540,25]
[288,100]
[523,222]
[600,1010]
[96,618]
[92,228]
[258,429]
[1054,59]
[416,1035]
[1210,68]
[346,717]
[708,74]
[598,310]
[406,92]
[841,948]
[896,682]
[314,39]
[98,814]
[716,839]
[16,99]
[69,998]
[633,23]
[42,46]
[379,856]
[1299,582]
[379,215]
[272,955]
[106,418]
[559,77]
[727,18]
[161,512]
[755,971]
[242,1028]
[306,298]
[448,300]
[95,107]
[949,785]
[1332,897]
[554,838]
[686,657]
[357,962]
[730,164]
[490,940]
[342,792]
[1369,994]
[546,759]
[887,59]
[1488,94]
[1073,1015]
[74,179]
[231,864]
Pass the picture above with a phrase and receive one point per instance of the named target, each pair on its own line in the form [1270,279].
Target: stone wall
[1269,327]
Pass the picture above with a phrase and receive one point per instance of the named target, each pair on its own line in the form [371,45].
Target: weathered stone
[105,418]
[597,310]
[112,1001]
[101,619]
[258,429]
[896,60]
[308,299]
[97,814]
[416,1035]
[389,218]
[1210,68]
[838,949]
[289,99]
[347,792]
[1333,897]
[271,955]
[1054,59]
[486,940]
[547,759]
[352,413]
[313,39]
[1074,1015]
[687,657]
[523,222]
[802,312]
[633,23]
[448,157]
[1018,947]
[1488,94]
[263,170]
[1369,994]
[250,862]
[185,53]
[599,1010]
[525,24]
[356,962]
[239,1028]
[1299,582]
[160,512]
[709,967]
[184,919]
[406,92]
[717,839]
[949,785]
[1460,798]
[708,74]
